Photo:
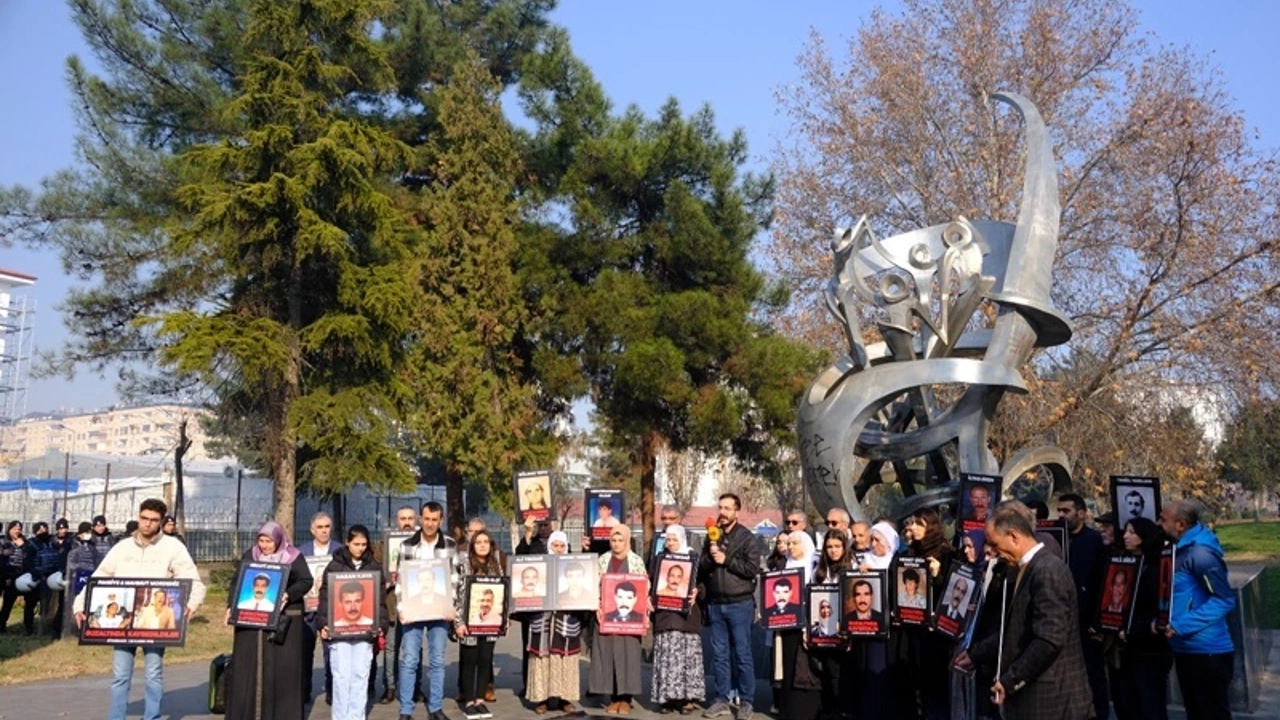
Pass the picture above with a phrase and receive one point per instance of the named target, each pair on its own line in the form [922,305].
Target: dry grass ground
[26,659]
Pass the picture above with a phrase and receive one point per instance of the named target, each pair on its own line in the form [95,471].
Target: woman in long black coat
[265,677]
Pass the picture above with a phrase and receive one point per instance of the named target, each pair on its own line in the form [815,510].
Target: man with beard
[624,600]
[728,571]
[1086,554]
[863,602]
[956,607]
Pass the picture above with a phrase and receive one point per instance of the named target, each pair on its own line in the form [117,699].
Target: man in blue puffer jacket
[1202,649]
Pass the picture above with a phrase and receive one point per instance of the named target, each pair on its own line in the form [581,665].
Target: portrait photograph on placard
[673,578]
[395,539]
[533,495]
[135,611]
[1116,601]
[354,605]
[604,510]
[911,590]
[1165,585]
[531,582]
[865,611]
[577,583]
[956,606]
[623,604]
[978,495]
[486,605]
[782,599]
[1134,497]
[823,609]
[424,590]
[316,564]
[1058,531]
[257,594]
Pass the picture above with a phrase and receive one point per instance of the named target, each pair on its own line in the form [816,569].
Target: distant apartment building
[146,430]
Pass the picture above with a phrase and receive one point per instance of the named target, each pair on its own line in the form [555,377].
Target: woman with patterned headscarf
[266,683]
[554,648]
[615,659]
[679,678]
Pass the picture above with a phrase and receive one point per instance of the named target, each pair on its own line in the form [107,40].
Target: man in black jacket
[728,571]
[1086,555]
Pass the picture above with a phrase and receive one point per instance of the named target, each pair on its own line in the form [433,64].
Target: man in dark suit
[1042,674]
[863,604]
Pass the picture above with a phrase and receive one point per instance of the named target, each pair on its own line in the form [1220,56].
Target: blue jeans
[350,664]
[437,633]
[731,633]
[122,679]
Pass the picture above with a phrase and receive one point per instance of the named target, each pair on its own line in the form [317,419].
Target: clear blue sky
[729,53]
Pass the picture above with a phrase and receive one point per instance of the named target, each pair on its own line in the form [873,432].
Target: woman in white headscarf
[555,642]
[870,664]
[679,679]
[800,690]
[884,546]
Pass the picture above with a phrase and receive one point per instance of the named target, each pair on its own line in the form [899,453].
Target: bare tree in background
[684,472]
[1167,260]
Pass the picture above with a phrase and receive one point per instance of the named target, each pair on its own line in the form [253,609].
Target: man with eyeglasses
[320,545]
[796,522]
[839,519]
[669,515]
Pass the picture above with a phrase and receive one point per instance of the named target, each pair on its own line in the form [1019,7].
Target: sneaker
[472,712]
[484,710]
[719,709]
[744,711]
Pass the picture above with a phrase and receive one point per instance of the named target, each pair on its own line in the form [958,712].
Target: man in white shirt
[258,601]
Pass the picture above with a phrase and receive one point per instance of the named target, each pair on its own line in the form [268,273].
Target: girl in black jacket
[1145,657]
[351,657]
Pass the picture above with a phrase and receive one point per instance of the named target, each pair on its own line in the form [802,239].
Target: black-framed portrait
[958,605]
[1058,531]
[822,606]
[258,592]
[979,495]
[1134,496]
[782,599]
[912,600]
[674,577]
[395,541]
[354,605]
[864,603]
[624,603]
[486,605]
[604,511]
[532,495]
[135,611]
[1165,586]
[1119,586]
[317,564]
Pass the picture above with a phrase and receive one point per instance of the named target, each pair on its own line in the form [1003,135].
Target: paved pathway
[186,696]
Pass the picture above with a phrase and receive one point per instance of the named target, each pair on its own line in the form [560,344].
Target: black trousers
[475,669]
[29,602]
[1095,668]
[1140,687]
[1204,679]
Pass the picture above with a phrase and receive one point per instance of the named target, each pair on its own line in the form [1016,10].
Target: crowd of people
[1035,647]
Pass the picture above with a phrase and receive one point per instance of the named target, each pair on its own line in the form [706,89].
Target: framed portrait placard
[865,604]
[317,565]
[1134,496]
[354,605]
[978,495]
[395,539]
[486,605]
[624,604]
[1115,606]
[1057,531]
[135,611]
[605,511]
[256,599]
[532,582]
[958,603]
[674,576]
[823,615]
[912,601]
[532,495]
[782,599]
[1165,586]
[424,590]
[577,585]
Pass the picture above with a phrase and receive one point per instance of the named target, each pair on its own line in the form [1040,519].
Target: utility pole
[106,489]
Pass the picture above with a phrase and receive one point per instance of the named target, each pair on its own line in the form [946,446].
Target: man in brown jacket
[1039,664]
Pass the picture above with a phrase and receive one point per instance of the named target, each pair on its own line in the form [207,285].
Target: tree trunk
[338,513]
[651,445]
[285,453]
[179,491]
[454,511]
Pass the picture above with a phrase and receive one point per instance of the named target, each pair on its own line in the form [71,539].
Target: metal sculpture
[961,307]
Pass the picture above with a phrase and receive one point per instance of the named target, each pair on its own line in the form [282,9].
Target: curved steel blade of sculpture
[921,400]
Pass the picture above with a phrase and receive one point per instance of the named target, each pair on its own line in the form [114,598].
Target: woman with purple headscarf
[267,679]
